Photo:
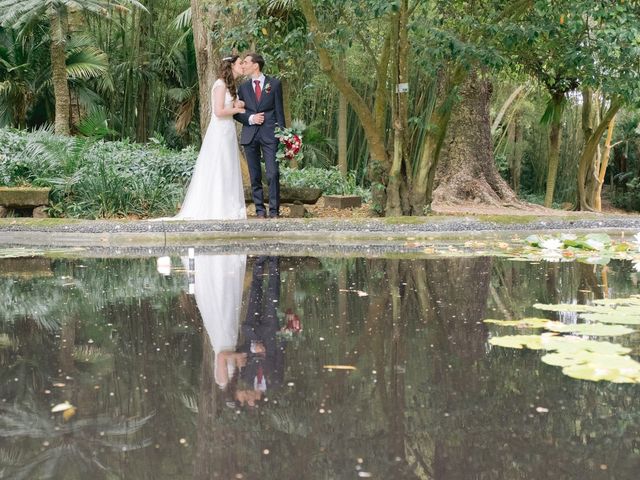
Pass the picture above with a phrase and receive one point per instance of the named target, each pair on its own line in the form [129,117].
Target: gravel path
[382,225]
[315,236]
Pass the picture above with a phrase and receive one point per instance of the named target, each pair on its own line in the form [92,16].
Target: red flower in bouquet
[290,139]
[294,325]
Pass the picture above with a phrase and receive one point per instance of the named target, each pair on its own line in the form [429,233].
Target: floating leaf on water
[524,323]
[571,307]
[592,329]
[559,359]
[623,318]
[613,368]
[632,301]
[534,342]
[599,237]
[572,344]
[533,240]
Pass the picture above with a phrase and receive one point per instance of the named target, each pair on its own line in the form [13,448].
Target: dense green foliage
[97,178]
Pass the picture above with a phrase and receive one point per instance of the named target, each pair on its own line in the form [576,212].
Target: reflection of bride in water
[218,291]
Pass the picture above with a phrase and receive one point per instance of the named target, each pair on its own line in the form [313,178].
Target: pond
[239,366]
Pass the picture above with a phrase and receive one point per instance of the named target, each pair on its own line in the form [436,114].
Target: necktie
[258,89]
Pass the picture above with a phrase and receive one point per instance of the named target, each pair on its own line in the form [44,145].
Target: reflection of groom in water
[265,362]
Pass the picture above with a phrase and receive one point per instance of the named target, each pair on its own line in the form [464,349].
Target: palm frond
[183,20]
[96,124]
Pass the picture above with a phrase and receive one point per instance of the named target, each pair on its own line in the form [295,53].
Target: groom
[262,97]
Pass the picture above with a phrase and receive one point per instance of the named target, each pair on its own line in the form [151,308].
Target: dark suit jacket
[270,104]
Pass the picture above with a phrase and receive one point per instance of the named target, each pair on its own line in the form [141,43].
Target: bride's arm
[218,103]
[243,117]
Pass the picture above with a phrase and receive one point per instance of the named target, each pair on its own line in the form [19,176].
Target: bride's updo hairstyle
[226,73]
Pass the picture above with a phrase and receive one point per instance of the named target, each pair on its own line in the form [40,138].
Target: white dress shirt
[253,85]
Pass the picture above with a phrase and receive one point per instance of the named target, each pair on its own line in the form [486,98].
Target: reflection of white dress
[215,190]
[219,281]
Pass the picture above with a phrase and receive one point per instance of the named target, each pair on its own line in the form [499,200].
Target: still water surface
[301,368]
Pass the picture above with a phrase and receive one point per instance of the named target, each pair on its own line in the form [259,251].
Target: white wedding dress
[215,191]
[219,282]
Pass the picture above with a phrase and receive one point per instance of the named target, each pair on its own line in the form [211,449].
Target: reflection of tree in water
[475,416]
[109,333]
[440,404]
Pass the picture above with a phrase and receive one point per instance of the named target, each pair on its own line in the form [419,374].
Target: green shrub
[95,178]
[627,198]
[329,180]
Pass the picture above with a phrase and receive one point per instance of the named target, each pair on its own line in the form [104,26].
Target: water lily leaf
[599,237]
[564,359]
[613,368]
[524,323]
[533,240]
[633,300]
[570,307]
[572,344]
[534,342]
[624,318]
[592,329]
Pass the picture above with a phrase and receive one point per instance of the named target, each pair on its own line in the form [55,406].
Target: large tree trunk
[400,172]
[207,57]
[342,130]
[555,136]
[58,22]
[379,165]
[517,150]
[596,200]
[466,171]
[422,187]
[589,151]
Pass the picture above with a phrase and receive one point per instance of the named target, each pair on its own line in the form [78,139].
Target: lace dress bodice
[228,102]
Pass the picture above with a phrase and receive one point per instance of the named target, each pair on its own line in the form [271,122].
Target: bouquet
[292,328]
[290,147]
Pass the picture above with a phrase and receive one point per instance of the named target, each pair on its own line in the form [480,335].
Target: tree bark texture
[466,171]
[206,58]
[58,22]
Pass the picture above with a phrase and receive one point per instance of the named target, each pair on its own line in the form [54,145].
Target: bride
[215,190]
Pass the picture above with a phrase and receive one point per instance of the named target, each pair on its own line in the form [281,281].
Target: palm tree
[73,445]
[23,13]
[18,77]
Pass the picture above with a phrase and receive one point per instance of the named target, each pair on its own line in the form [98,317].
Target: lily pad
[620,318]
[612,368]
[572,307]
[573,344]
[591,329]
[633,300]
[534,342]
[524,323]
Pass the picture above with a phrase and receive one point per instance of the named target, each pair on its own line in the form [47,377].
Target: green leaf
[570,307]
[622,317]
[534,342]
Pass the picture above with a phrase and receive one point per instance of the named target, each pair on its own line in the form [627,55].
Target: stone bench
[293,197]
[24,198]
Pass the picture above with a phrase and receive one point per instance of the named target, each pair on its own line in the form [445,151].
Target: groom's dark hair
[257,58]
